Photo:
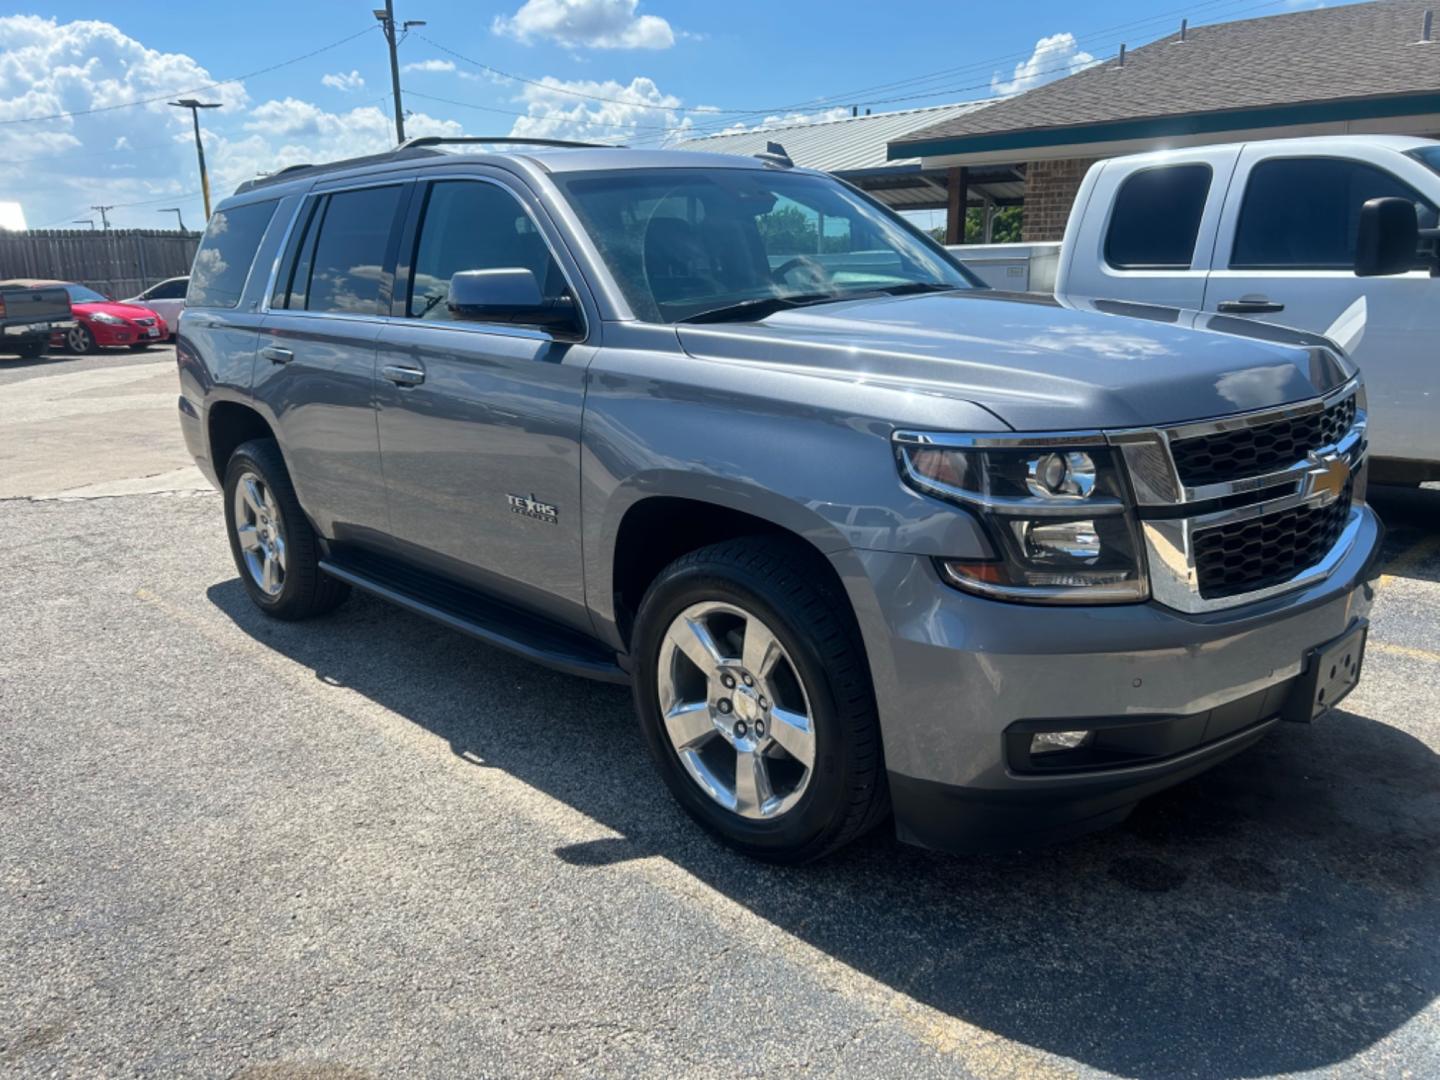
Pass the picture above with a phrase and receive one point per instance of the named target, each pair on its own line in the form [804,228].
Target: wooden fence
[117,262]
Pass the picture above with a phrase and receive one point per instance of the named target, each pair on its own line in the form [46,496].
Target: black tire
[79,340]
[777,581]
[31,350]
[305,591]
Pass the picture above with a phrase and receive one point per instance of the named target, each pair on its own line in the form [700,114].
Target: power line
[197,90]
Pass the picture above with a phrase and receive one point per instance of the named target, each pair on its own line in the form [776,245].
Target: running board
[470,612]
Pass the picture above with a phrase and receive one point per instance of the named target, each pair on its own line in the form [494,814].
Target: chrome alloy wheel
[261,535]
[735,710]
[78,339]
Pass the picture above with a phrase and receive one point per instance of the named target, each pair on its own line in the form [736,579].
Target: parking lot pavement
[365,846]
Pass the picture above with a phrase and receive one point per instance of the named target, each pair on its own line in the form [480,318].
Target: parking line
[1408,651]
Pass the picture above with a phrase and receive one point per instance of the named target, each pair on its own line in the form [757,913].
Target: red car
[101,322]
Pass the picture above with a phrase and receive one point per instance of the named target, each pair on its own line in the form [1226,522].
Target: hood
[119,308]
[1039,365]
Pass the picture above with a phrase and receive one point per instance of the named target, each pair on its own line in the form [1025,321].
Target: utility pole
[195,106]
[386,15]
[104,212]
[176,211]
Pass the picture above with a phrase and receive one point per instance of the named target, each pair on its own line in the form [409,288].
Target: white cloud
[58,167]
[639,110]
[1054,57]
[344,82]
[589,24]
[146,153]
[429,65]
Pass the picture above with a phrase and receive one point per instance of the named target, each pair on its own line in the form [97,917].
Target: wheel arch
[656,526]
[228,425]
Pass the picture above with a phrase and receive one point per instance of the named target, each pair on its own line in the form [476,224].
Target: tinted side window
[1304,213]
[349,262]
[473,225]
[1157,218]
[174,289]
[223,261]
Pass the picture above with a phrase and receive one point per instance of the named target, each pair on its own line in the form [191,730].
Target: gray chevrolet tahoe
[866,539]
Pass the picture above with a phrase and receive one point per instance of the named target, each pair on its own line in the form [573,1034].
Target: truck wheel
[78,339]
[31,350]
[275,549]
[754,696]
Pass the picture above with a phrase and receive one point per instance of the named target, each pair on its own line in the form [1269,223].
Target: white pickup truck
[1267,231]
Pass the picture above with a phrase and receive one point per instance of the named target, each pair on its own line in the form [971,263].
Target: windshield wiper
[758,307]
[917,287]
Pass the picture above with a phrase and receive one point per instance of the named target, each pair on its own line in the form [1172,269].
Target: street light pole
[386,15]
[85,221]
[387,23]
[176,211]
[195,106]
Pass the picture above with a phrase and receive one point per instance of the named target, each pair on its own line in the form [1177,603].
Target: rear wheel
[78,339]
[30,350]
[274,546]
[754,695]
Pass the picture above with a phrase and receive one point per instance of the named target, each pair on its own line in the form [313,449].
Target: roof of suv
[554,159]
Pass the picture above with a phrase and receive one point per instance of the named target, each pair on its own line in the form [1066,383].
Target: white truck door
[1286,254]
[1143,228]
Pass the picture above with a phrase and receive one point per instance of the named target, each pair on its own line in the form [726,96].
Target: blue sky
[662,67]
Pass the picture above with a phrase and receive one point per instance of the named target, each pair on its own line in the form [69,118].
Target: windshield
[1430,155]
[79,294]
[683,243]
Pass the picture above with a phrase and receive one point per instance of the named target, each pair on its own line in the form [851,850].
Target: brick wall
[1050,188]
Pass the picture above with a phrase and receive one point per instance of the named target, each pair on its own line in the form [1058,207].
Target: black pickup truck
[29,315]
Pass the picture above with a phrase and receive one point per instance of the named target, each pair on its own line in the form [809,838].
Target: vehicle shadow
[1412,522]
[1276,914]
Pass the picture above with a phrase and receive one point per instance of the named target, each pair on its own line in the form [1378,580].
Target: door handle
[277,355]
[403,376]
[1249,305]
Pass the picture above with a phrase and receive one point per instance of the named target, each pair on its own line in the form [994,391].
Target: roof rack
[446,140]
[421,145]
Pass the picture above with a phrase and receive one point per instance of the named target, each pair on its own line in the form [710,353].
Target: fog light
[1074,541]
[1047,742]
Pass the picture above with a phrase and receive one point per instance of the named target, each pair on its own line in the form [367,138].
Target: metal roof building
[856,148]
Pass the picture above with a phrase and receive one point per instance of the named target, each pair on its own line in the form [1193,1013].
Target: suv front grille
[1233,455]
[1255,554]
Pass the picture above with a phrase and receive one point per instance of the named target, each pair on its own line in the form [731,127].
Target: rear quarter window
[1156,218]
[223,262]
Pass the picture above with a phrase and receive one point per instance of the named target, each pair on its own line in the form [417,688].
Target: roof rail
[420,146]
[445,140]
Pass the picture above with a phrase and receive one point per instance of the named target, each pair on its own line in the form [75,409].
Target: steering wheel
[813,268]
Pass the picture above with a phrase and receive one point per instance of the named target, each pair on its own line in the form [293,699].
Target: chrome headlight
[1056,509]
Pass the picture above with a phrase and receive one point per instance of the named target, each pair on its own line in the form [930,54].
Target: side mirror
[508,295]
[1389,238]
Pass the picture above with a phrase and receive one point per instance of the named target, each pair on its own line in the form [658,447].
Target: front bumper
[955,673]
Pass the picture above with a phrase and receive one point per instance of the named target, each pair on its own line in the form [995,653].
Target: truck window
[1429,155]
[223,262]
[474,225]
[350,261]
[1156,219]
[1304,213]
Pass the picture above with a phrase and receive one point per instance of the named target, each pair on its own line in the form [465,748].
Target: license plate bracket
[1331,671]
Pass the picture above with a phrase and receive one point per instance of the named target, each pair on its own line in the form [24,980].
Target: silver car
[869,541]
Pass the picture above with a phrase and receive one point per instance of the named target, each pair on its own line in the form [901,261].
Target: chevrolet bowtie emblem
[1326,479]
